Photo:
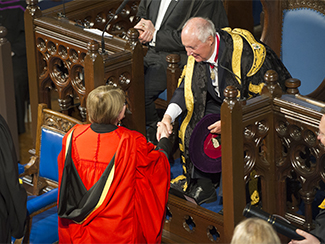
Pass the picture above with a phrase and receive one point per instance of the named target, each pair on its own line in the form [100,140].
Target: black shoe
[151,135]
[202,193]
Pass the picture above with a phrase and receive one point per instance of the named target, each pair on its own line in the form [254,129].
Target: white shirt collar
[211,59]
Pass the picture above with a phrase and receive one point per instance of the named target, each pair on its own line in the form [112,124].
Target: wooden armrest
[43,209]
[31,167]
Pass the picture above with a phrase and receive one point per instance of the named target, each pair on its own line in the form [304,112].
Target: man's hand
[146,30]
[165,127]
[215,128]
[163,131]
[309,239]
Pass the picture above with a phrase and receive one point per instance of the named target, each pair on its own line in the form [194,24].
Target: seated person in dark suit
[13,196]
[160,27]
[211,67]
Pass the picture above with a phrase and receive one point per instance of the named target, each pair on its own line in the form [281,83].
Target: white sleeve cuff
[173,110]
[153,41]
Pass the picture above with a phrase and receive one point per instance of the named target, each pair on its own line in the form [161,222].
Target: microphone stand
[103,41]
[109,21]
[62,15]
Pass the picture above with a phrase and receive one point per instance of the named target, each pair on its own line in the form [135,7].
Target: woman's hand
[165,128]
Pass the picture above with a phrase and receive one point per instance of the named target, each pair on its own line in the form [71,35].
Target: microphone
[280,225]
[119,9]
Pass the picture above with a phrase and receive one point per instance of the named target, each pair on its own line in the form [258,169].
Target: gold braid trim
[258,49]
[322,205]
[103,195]
[256,88]
[237,53]
[106,187]
[189,101]
[259,53]
[182,76]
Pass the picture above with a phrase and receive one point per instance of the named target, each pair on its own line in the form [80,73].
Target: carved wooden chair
[41,205]
[295,30]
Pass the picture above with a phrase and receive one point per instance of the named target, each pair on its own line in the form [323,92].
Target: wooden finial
[132,36]
[292,85]
[230,92]
[272,88]
[3,33]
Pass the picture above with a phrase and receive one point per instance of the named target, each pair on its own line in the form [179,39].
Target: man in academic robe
[160,28]
[216,60]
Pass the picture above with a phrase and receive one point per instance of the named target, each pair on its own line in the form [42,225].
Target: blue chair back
[51,144]
[302,51]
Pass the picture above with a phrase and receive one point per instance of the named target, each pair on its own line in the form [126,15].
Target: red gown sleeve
[152,186]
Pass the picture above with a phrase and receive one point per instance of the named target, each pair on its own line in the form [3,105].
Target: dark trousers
[155,80]
[155,75]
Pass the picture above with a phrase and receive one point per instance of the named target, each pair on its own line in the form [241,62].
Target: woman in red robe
[113,184]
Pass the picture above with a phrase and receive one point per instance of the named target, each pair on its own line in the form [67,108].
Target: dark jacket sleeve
[169,39]
[13,196]
[178,96]
[142,12]
[165,145]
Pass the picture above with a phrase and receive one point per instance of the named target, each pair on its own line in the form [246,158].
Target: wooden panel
[205,223]
[57,57]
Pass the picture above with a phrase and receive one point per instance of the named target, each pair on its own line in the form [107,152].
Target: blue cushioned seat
[45,225]
[42,223]
[51,144]
[302,51]
[163,95]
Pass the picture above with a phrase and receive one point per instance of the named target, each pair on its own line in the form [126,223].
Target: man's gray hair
[204,29]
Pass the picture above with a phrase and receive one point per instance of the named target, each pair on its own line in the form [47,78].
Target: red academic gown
[131,208]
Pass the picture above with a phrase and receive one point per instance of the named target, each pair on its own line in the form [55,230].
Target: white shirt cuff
[153,42]
[173,110]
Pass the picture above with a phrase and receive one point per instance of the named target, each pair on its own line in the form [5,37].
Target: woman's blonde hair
[254,231]
[104,104]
